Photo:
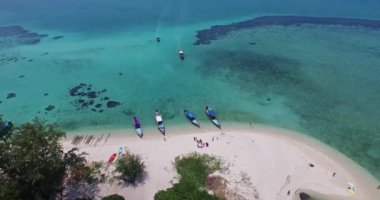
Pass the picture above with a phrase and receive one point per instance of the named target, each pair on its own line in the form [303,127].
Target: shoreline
[301,147]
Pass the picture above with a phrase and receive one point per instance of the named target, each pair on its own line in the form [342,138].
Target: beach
[261,162]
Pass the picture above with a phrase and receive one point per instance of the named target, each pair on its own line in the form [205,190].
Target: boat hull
[139,132]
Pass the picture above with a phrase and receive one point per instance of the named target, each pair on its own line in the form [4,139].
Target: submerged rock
[58,37]
[11,95]
[112,104]
[49,108]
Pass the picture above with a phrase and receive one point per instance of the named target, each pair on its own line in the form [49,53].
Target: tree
[113,197]
[5,129]
[131,167]
[32,162]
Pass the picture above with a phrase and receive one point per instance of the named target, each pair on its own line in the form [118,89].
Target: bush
[193,169]
[113,197]
[131,168]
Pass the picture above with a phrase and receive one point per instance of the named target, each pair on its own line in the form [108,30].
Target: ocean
[85,64]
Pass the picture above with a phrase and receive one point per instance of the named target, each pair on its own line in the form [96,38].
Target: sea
[96,63]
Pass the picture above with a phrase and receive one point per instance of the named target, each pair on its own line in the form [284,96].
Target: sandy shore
[261,161]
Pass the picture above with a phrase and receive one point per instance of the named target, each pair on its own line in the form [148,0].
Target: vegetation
[113,197]
[33,164]
[193,170]
[131,168]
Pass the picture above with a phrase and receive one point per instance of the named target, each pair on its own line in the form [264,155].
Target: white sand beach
[263,162]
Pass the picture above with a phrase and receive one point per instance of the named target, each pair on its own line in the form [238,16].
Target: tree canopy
[33,164]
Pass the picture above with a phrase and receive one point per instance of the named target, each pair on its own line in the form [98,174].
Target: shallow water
[321,80]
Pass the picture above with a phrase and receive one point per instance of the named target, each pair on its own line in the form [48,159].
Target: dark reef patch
[49,107]
[11,36]
[21,76]
[85,97]
[215,32]
[46,94]
[112,104]
[58,37]
[11,95]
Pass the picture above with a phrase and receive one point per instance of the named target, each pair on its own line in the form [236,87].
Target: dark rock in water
[219,31]
[93,109]
[112,104]
[30,60]
[120,74]
[11,95]
[106,98]
[90,102]
[1,102]
[74,91]
[21,76]
[99,105]
[44,54]
[16,35]
[304,196]
[85,104]
[268,99]
[49,108]
[81,100]
[101,110]
[46,94]
[58,37]
[252,43]
[91,94]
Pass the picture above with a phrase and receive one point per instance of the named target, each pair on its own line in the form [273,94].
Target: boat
[181,55]
[160,122]
[189,115]
[137,125]
[112,158]
[211,115]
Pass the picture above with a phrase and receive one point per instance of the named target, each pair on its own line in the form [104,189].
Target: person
[158,39]
[181,54]
[334,174]
[288,192]
[136,122]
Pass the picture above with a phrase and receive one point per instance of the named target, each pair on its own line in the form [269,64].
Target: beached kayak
[137,125]
[211,115]
[189,115]
[112,158]
[160,122]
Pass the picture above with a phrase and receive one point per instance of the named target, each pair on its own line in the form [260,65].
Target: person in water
[181,54]
[158,39]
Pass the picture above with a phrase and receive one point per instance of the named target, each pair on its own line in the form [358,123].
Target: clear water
[321,80]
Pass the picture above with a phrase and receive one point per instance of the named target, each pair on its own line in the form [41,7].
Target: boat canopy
[158,118]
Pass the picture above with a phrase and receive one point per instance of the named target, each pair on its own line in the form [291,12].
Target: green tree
[131,168]
[113,197]
[33,164]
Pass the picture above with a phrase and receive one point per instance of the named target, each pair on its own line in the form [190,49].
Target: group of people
[200,143]
[181,54]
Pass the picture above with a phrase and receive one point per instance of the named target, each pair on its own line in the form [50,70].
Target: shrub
[113,197]
[193,170]
[131,168]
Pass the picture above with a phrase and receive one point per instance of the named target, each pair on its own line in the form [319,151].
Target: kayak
[211,115]
[189,115]
[160,122]
[137,125]
[112,158]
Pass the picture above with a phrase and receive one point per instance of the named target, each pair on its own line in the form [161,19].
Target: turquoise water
[321,80]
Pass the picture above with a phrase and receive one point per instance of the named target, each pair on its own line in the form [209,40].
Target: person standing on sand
[333,175]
